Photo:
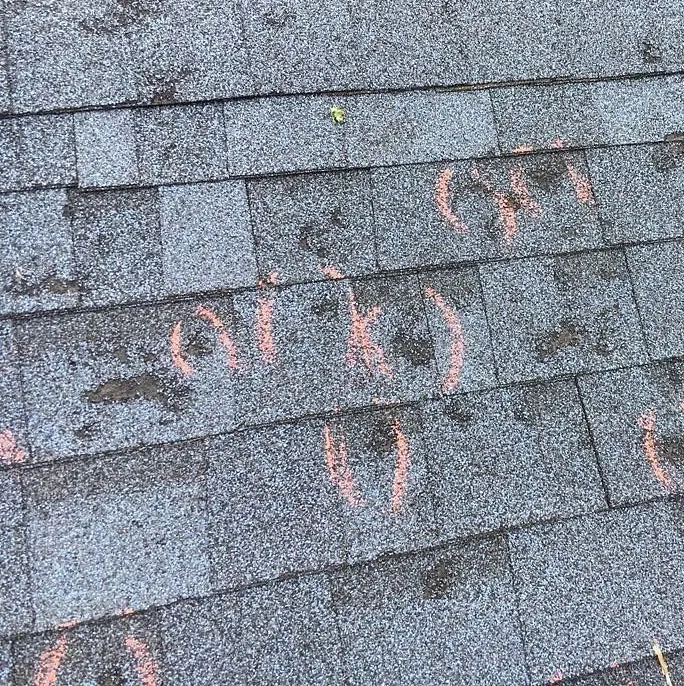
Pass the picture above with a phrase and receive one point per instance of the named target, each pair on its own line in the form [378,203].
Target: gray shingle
[5,664]
[305,223]
[114,379]
[458,324]
[561,315]
[106,148]
[15,593]
[316,364]
[269,135]
[272,507]
[298,45]
[117,533]
[103,653]
[69,53]
[37,151]
[644,672]
[613,112]
[284,634]
[38,271]
[181,143]
[188,50]
[425,619]
[4,76]
[13,443]
[659,292]
[206,237]
[599,589]
[509,457]
[117,244]
[640,190]
[639,461]
[384,129]
[474,210]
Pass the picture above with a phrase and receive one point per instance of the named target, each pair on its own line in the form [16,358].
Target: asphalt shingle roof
[341,344]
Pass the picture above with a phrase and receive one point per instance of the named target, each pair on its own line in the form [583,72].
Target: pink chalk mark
[225,338]
[647,422]
[176,353]
[360,343]
[332,273]
[264,330]
[401,470]
[341,476]
[457,349]
[556,677]
[584,191]
[10,452]
[523,149]
[50,661]
[146,665]
[443,200]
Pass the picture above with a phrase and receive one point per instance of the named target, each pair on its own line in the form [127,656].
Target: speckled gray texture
[100,530]
[659,293]
[644,672]
[598,589]
[117,245]
[36,254]
[618,406]
[423,619]
[640,190]
[636,111]
[11,399]
[562,315]
[510,457]
[112,376]
[206,237]
[282,634]
[303,224]
[37,152]
[5,664]
[4,75]
[521,206]
[15,598]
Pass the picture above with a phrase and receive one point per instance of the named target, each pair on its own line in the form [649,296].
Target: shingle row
[507,609]
[75,54]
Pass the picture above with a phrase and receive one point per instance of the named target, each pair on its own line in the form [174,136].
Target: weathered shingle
[305,223]
[4,75]
[36,252]
[424,619]
[13,437]
[206,237]
[645,672]
[282,634]
[101,530]
[637,424]
[659,293]
[5,664]
[599,589]
[509,457]
[561,315]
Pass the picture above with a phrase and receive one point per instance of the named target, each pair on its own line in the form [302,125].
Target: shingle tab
[561,315]
[640,190]
[384,129]
[13,437]
[117,652]
[474,210]
[613,112]
[305,223]
[207,237]
[282,634]
[659,293]
[100,530]
[4,75]
[637,424]
[120,379]
[38,270]
[598,589]
[117,245]
[316,347]
[37,152]
[646,672]
[510,457]
[424,619]
[15,592]
[70,53]
[270,135]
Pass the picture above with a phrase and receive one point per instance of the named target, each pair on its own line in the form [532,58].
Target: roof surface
[341,343]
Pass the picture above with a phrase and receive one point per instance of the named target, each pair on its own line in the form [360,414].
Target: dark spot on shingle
[147,386]
[111,678]
[651,52]
[418,351]
[673,449]
[325,306]
[280,19]
[458,411]
[165,93]
[667,157]
[337,218]
[22,284]
[199,346]
[381,438]
[339,594]
[314,239]
[121,354]
[673,371]
[87,431]
[567,335]
[674,137]
[440,580]
[548,173]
